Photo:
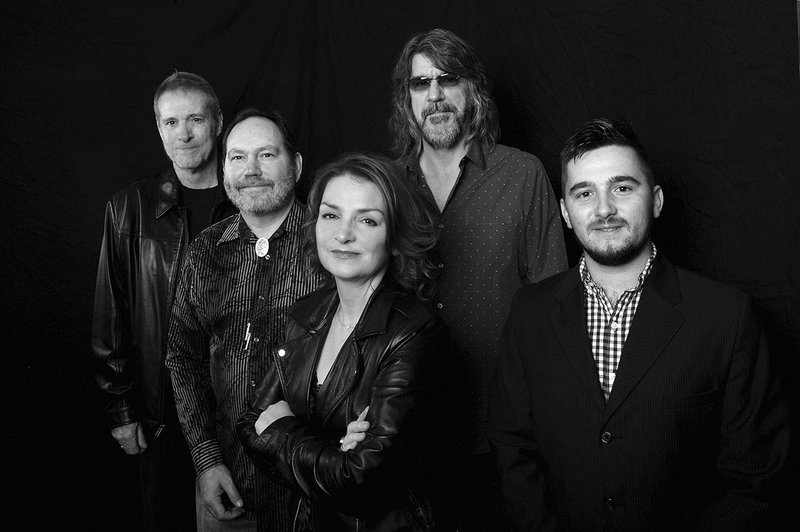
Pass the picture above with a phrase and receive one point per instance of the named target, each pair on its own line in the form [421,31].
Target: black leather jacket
[144,240]
[392,362]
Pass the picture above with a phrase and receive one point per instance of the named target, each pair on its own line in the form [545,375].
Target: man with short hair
[499,229]
[148,226]
[238,280]
[631,394]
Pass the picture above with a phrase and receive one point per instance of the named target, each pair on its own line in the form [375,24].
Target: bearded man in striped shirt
[239,278]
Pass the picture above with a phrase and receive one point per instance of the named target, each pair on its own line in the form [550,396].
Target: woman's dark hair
[410,222]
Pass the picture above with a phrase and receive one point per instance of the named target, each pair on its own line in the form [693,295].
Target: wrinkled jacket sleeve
[188,359]
[112,351]
[512,441]
[294,453]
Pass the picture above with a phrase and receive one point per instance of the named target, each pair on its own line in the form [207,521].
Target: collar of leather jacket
[313,311]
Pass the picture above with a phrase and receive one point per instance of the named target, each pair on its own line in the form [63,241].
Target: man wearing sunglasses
[499,229]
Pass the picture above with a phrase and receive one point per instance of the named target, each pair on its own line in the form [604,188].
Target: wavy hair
[410,222]
[451,54]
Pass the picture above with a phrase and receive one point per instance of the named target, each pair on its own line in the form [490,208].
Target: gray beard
[443,136]
[267,203]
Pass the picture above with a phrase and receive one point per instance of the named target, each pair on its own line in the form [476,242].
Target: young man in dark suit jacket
[631,394]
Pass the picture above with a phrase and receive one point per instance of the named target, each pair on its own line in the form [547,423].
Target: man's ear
[298,166]
[565,213]
[658,201]
[219,122]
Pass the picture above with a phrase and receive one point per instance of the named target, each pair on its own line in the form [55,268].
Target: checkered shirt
[608,327]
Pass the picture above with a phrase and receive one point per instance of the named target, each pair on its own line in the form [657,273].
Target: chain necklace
[345,325]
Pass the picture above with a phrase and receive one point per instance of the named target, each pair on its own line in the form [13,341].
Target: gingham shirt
[608,326]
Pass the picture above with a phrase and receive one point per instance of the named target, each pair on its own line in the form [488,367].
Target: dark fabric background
[711,87]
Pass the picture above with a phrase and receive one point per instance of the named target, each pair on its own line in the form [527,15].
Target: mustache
[255,183]
[438,107]
[609,222]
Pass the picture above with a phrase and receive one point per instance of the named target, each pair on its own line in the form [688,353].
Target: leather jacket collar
[313,312]
[169,192]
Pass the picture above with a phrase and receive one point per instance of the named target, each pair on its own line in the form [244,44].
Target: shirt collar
[476,153]
[590,285]
[238,228]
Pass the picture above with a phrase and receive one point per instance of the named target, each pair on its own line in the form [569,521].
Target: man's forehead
[255,130]
[606,163]
[422,65]
[184,98]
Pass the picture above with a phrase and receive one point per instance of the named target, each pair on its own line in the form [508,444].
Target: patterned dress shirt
[229,312]
[609,325]
[500,229]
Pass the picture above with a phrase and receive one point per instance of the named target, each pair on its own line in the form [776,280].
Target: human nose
[605,206]
[184,131]
[435,92]
[344,233]
[253,167]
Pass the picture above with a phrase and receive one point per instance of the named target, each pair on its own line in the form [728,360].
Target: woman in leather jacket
[361,358]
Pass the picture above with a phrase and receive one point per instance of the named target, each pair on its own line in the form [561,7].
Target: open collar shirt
[500,229]
[230,311]
[608,325]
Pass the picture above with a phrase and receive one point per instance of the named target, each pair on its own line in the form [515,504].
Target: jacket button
[281,352]
[440,306]
[606,437]
[611,503]
[253,384]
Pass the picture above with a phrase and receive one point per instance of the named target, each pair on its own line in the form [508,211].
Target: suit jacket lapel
[654,325]
[568,318]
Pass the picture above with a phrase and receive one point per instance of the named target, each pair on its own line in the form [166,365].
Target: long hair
[410,222]
[449,53]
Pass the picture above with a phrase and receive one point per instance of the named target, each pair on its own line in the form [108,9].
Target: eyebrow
[359,211]
[260,148]
[614,179]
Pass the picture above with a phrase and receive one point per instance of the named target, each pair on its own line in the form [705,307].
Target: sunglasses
[421,83]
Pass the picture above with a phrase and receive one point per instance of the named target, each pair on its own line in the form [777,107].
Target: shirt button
[606,437]
[260,297]
[253,384]
[614,325]
[441,265]
[281,352]
[440,306]
[441,226]
[611,503]
[256,339]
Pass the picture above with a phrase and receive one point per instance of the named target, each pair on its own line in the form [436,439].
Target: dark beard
[622,255]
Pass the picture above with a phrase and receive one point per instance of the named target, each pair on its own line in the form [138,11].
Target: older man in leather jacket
[148,225]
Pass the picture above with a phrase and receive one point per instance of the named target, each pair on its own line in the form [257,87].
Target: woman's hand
[356,432]
[271,414]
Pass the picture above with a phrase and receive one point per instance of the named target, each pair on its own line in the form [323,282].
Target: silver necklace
[345,325]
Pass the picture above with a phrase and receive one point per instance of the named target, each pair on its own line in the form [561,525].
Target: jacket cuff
[206,455]
[119,413]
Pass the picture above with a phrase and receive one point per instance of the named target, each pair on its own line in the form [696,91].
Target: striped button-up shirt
[229,312]
[608,325]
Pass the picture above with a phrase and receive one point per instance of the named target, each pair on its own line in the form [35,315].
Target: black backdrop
[711,87]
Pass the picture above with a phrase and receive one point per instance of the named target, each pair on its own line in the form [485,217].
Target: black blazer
[693,428]
[391,363]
